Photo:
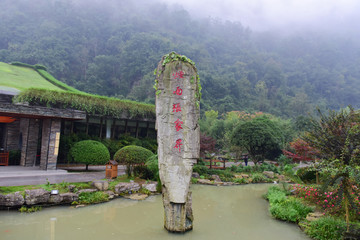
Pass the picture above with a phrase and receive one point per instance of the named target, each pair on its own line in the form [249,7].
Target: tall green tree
[261,138]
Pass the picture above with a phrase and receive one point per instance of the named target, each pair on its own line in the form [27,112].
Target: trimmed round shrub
[90,152]
[131,156]
[152,165]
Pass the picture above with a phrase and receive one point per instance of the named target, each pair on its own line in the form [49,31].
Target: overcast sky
[280,14]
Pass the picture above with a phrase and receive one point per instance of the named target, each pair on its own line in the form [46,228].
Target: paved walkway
[18,175]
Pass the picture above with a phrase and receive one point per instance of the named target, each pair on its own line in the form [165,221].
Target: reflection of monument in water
[177,115]
[52,228]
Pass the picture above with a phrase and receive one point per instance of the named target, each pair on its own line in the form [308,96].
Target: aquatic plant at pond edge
[284,208]
[31,209]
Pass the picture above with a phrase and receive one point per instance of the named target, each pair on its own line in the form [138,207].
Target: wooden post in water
[178,134]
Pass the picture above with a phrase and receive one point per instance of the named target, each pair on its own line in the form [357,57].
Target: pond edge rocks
[45,198]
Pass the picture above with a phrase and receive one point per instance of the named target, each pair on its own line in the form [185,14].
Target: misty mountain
[112,49]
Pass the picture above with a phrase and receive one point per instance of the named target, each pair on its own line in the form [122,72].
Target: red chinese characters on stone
[178,125]
[178,91]
[179,74]
[176,107]
[178,144]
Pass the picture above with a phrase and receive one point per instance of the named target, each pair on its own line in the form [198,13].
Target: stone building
[35,129]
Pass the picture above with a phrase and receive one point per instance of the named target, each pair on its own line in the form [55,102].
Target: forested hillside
[113,50]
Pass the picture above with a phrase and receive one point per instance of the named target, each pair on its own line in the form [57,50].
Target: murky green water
[237,212]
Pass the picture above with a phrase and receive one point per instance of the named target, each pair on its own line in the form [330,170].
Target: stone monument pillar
[178,134]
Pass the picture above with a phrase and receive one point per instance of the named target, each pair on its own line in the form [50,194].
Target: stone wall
[29,129]
[50,143]
[12,136]
[24,126]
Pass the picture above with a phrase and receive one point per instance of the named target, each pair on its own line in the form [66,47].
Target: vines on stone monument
[172,57]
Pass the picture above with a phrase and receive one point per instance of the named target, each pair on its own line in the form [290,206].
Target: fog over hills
[284,57]
[285,15]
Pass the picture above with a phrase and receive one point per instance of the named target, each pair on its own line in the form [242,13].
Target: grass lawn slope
[22,78]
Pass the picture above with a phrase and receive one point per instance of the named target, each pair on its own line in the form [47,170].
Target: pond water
[234,212]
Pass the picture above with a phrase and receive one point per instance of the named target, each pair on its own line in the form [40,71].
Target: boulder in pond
[150,186]
[64,198]
[36,196]
[111,194]
[205,181]
[136,196]
[69,197]
[100,185]
[126,187]
[11,200]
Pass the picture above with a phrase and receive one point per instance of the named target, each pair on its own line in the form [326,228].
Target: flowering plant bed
[328,202]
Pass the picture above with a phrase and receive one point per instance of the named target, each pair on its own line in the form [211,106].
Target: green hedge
[20,64]
[67,142]
[39,66]
[90,152]
[132,155]
[92,104]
